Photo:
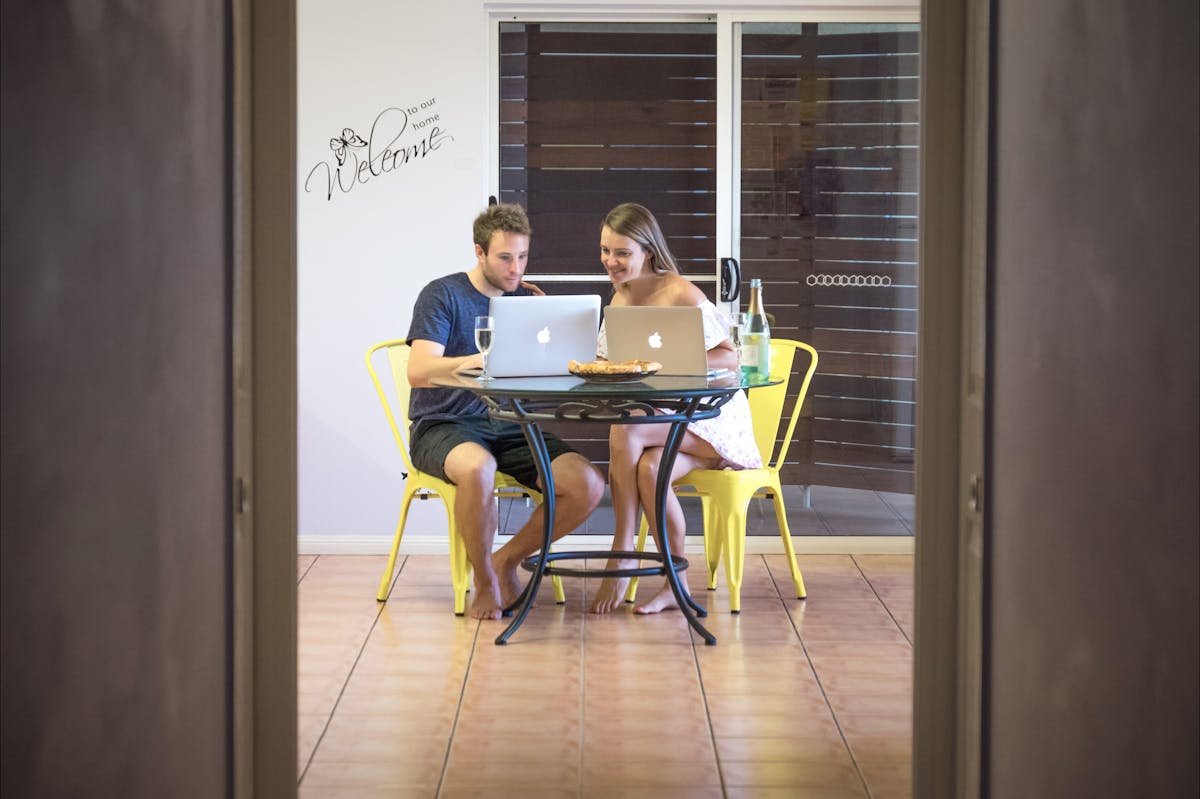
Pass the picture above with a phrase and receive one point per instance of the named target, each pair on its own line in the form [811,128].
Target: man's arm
[427,361]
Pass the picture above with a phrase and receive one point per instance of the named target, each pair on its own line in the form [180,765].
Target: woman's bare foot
[611,593]
[663,600]
[486,604]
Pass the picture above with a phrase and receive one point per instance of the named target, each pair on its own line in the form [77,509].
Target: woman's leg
[627,444]
[648,470]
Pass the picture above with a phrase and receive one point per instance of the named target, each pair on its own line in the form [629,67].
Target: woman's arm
[723,356]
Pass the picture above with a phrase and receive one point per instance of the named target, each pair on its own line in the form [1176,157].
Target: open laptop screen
[673,336]
[538,335]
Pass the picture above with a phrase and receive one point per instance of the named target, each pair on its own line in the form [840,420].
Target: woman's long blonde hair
[636,222]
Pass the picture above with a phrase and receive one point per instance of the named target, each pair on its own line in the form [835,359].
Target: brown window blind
[593,115]
[829,222]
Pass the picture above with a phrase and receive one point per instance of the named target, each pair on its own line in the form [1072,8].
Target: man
[452,435]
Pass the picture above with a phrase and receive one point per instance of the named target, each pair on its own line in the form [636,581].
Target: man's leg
[472,469]
[578,489]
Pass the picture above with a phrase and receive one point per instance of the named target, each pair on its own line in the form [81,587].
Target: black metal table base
[537,564]
[672,400]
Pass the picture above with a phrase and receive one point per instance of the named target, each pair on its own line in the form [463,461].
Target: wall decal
[358,160]
[348,139]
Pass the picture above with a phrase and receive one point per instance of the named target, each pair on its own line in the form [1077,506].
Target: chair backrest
[397,355]
[766,404]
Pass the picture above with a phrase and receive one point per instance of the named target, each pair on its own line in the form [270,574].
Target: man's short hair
[506,217]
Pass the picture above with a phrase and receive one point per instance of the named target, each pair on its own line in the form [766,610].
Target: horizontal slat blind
[829,222]
[593,115]
[596,115]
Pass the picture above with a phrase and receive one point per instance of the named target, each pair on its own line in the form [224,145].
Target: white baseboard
[755,544]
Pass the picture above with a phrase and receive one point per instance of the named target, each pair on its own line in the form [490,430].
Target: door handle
[731,280]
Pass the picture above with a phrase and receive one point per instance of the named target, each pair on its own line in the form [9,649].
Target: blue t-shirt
[445,314]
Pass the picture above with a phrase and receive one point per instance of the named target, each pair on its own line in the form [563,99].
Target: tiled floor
[833,511]
[798,699]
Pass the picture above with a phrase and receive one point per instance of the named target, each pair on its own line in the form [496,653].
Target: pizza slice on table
[632,367]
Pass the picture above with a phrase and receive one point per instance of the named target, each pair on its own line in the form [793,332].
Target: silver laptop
[672,336]
[537,336]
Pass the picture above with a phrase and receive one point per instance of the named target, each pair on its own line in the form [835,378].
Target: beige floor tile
[331,790]
[376,776]
[870,650]
[411,755]
[605,746]
[514,726]
[317,694]
[805,703]
[801,774]
[796,792]
[888,778]
[604,791]
[648,772]
[502,776]
[784,681]
[824,745]
[309,728]
[865,682]
[739,725]
[436,705]
[608,706]
[529,746]
[400,727]
[857,721]
[897,703]
[303,563]
[522,790]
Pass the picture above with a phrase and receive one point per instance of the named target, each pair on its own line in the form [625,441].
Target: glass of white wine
[737,324]
[484,329]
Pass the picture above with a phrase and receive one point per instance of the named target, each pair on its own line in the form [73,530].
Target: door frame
[264,622]
[949,682]
[262,213]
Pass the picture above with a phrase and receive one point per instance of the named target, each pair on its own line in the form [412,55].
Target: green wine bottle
[756,339]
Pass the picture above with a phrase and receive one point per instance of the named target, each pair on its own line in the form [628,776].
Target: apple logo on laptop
[543,335]
[655,340]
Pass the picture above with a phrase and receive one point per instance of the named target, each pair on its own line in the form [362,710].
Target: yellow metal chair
[725,494]
[419,484]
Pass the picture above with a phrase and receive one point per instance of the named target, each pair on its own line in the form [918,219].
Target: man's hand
[470,362]
[537,292]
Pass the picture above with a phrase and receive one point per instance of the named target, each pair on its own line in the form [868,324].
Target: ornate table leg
[687,606]
[541,458]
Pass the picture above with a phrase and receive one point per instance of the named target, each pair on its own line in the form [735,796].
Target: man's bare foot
[509,578]
[486,604]
[611,593]
[663,600]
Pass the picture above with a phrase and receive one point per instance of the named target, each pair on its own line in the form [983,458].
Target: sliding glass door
[826,187]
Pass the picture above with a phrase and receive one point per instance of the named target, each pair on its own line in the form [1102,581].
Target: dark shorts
[433,439]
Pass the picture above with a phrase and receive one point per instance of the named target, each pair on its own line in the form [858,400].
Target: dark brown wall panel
[1092,648]
[116,390]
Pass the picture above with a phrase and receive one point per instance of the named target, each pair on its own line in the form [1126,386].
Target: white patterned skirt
[731,434]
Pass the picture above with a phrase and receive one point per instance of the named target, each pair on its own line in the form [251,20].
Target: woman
[635,255]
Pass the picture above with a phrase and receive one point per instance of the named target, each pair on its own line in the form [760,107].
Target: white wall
[364,254]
